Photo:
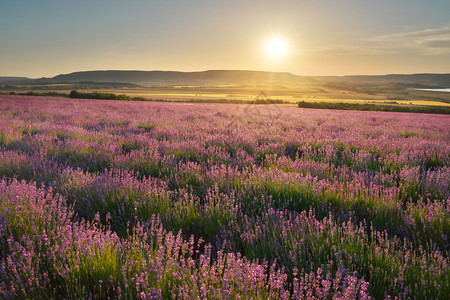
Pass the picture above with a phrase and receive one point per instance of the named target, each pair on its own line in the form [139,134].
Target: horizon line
[233,70]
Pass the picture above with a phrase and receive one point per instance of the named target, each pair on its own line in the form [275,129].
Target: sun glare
[276,48]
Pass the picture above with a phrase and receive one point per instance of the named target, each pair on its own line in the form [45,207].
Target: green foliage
[97,95]
[375,107]
[46,94]
[146,127]
[104,96]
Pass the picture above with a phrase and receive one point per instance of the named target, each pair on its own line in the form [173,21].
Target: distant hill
[14,80]
[173,77]
[432,80]
[216,77]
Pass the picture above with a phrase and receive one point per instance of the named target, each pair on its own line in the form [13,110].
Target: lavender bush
[108,199]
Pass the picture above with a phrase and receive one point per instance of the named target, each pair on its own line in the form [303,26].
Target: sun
[276,48]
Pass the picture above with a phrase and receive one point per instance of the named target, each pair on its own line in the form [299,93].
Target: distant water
[447,90]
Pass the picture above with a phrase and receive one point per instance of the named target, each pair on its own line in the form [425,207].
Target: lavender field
[113,199]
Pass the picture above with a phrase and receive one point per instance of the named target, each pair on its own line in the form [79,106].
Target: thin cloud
[426,33]
[427,42]
[435,41]
[355,49]
[444,43]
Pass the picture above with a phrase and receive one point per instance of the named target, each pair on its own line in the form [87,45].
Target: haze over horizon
[348,37]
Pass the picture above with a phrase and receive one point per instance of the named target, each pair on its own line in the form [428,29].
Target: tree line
[375,107]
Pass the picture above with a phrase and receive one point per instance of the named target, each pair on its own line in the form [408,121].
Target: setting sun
[276,48]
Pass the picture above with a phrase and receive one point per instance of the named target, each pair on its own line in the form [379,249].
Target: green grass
[146,127]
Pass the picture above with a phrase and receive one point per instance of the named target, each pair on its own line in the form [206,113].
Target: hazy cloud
[426,42]
[355,49]
[421,42]
[437,43]
[426,33]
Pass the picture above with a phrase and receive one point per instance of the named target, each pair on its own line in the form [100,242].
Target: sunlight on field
[233,92]
[276,92]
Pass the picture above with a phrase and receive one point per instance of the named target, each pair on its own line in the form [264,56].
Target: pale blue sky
[326,37]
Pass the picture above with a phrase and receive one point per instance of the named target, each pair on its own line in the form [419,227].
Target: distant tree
[75,94]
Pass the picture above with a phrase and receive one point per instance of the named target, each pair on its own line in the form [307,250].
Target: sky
[325,37]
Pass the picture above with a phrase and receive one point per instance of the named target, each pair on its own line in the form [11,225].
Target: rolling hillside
[173,77]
